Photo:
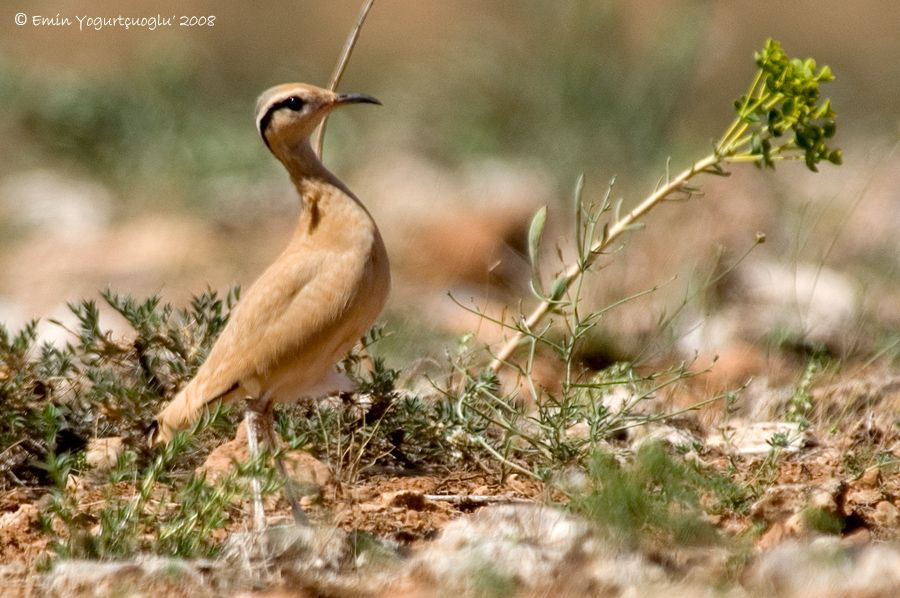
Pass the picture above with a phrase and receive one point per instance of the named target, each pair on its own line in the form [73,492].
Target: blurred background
[130,160]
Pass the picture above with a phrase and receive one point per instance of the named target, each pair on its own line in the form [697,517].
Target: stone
[772,537]
[103,453]
[810,302]
[759,438]
[530,550]
[310,475]
[886,515]
[826,569]
[141,577]
[864,496]
[56,204]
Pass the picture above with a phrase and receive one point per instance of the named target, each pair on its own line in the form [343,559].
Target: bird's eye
[294,103]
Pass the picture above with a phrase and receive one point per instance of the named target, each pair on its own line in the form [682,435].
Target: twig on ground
[478,499]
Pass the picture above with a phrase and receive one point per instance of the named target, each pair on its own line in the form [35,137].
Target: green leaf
[559,288]
[788,107]
[579,212]
[811,162]
[809,66]
[755,144]
[535,232]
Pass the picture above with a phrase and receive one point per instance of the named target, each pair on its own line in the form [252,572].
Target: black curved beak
[355,98]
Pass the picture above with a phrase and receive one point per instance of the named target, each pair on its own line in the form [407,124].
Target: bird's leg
[290,493]
[251,421]
[290,488]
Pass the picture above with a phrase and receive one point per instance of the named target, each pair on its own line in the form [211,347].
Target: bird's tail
[180,413]
[184,410]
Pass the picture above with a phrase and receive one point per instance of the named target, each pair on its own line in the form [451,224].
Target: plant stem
[611,235]
[723,145]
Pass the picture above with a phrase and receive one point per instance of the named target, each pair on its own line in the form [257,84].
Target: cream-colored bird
[314,302]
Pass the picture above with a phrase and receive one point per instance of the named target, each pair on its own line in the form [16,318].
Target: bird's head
[286,115]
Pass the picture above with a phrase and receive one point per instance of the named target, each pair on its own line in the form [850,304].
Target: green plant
[656,497]
[99,384]
[534,430]
[782,117]
[53,399]
[784,97]
[801,405]
[149,509]
[765,472]
[488,582]
[377,425]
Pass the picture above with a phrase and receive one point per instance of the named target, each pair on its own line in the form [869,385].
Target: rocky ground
[824,520]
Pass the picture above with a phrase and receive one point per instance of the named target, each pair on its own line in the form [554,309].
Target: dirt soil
[848,470]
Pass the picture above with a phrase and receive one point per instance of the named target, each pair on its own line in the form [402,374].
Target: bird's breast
[350,286]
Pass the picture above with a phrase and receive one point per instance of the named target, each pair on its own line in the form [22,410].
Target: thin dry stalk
[475,499]
[341,66]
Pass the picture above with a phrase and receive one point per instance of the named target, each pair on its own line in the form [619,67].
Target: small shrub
[657,496]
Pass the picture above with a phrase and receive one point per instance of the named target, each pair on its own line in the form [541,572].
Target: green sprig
[783,115]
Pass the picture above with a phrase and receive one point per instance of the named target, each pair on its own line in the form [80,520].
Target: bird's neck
[302,162]
[321,192]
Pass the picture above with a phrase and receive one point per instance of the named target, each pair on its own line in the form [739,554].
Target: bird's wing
[296,302]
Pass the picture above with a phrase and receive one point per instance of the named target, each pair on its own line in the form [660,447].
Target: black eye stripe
[293,103]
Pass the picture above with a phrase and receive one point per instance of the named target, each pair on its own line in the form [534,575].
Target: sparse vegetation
[656,498]
[55,398]
[481,414]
